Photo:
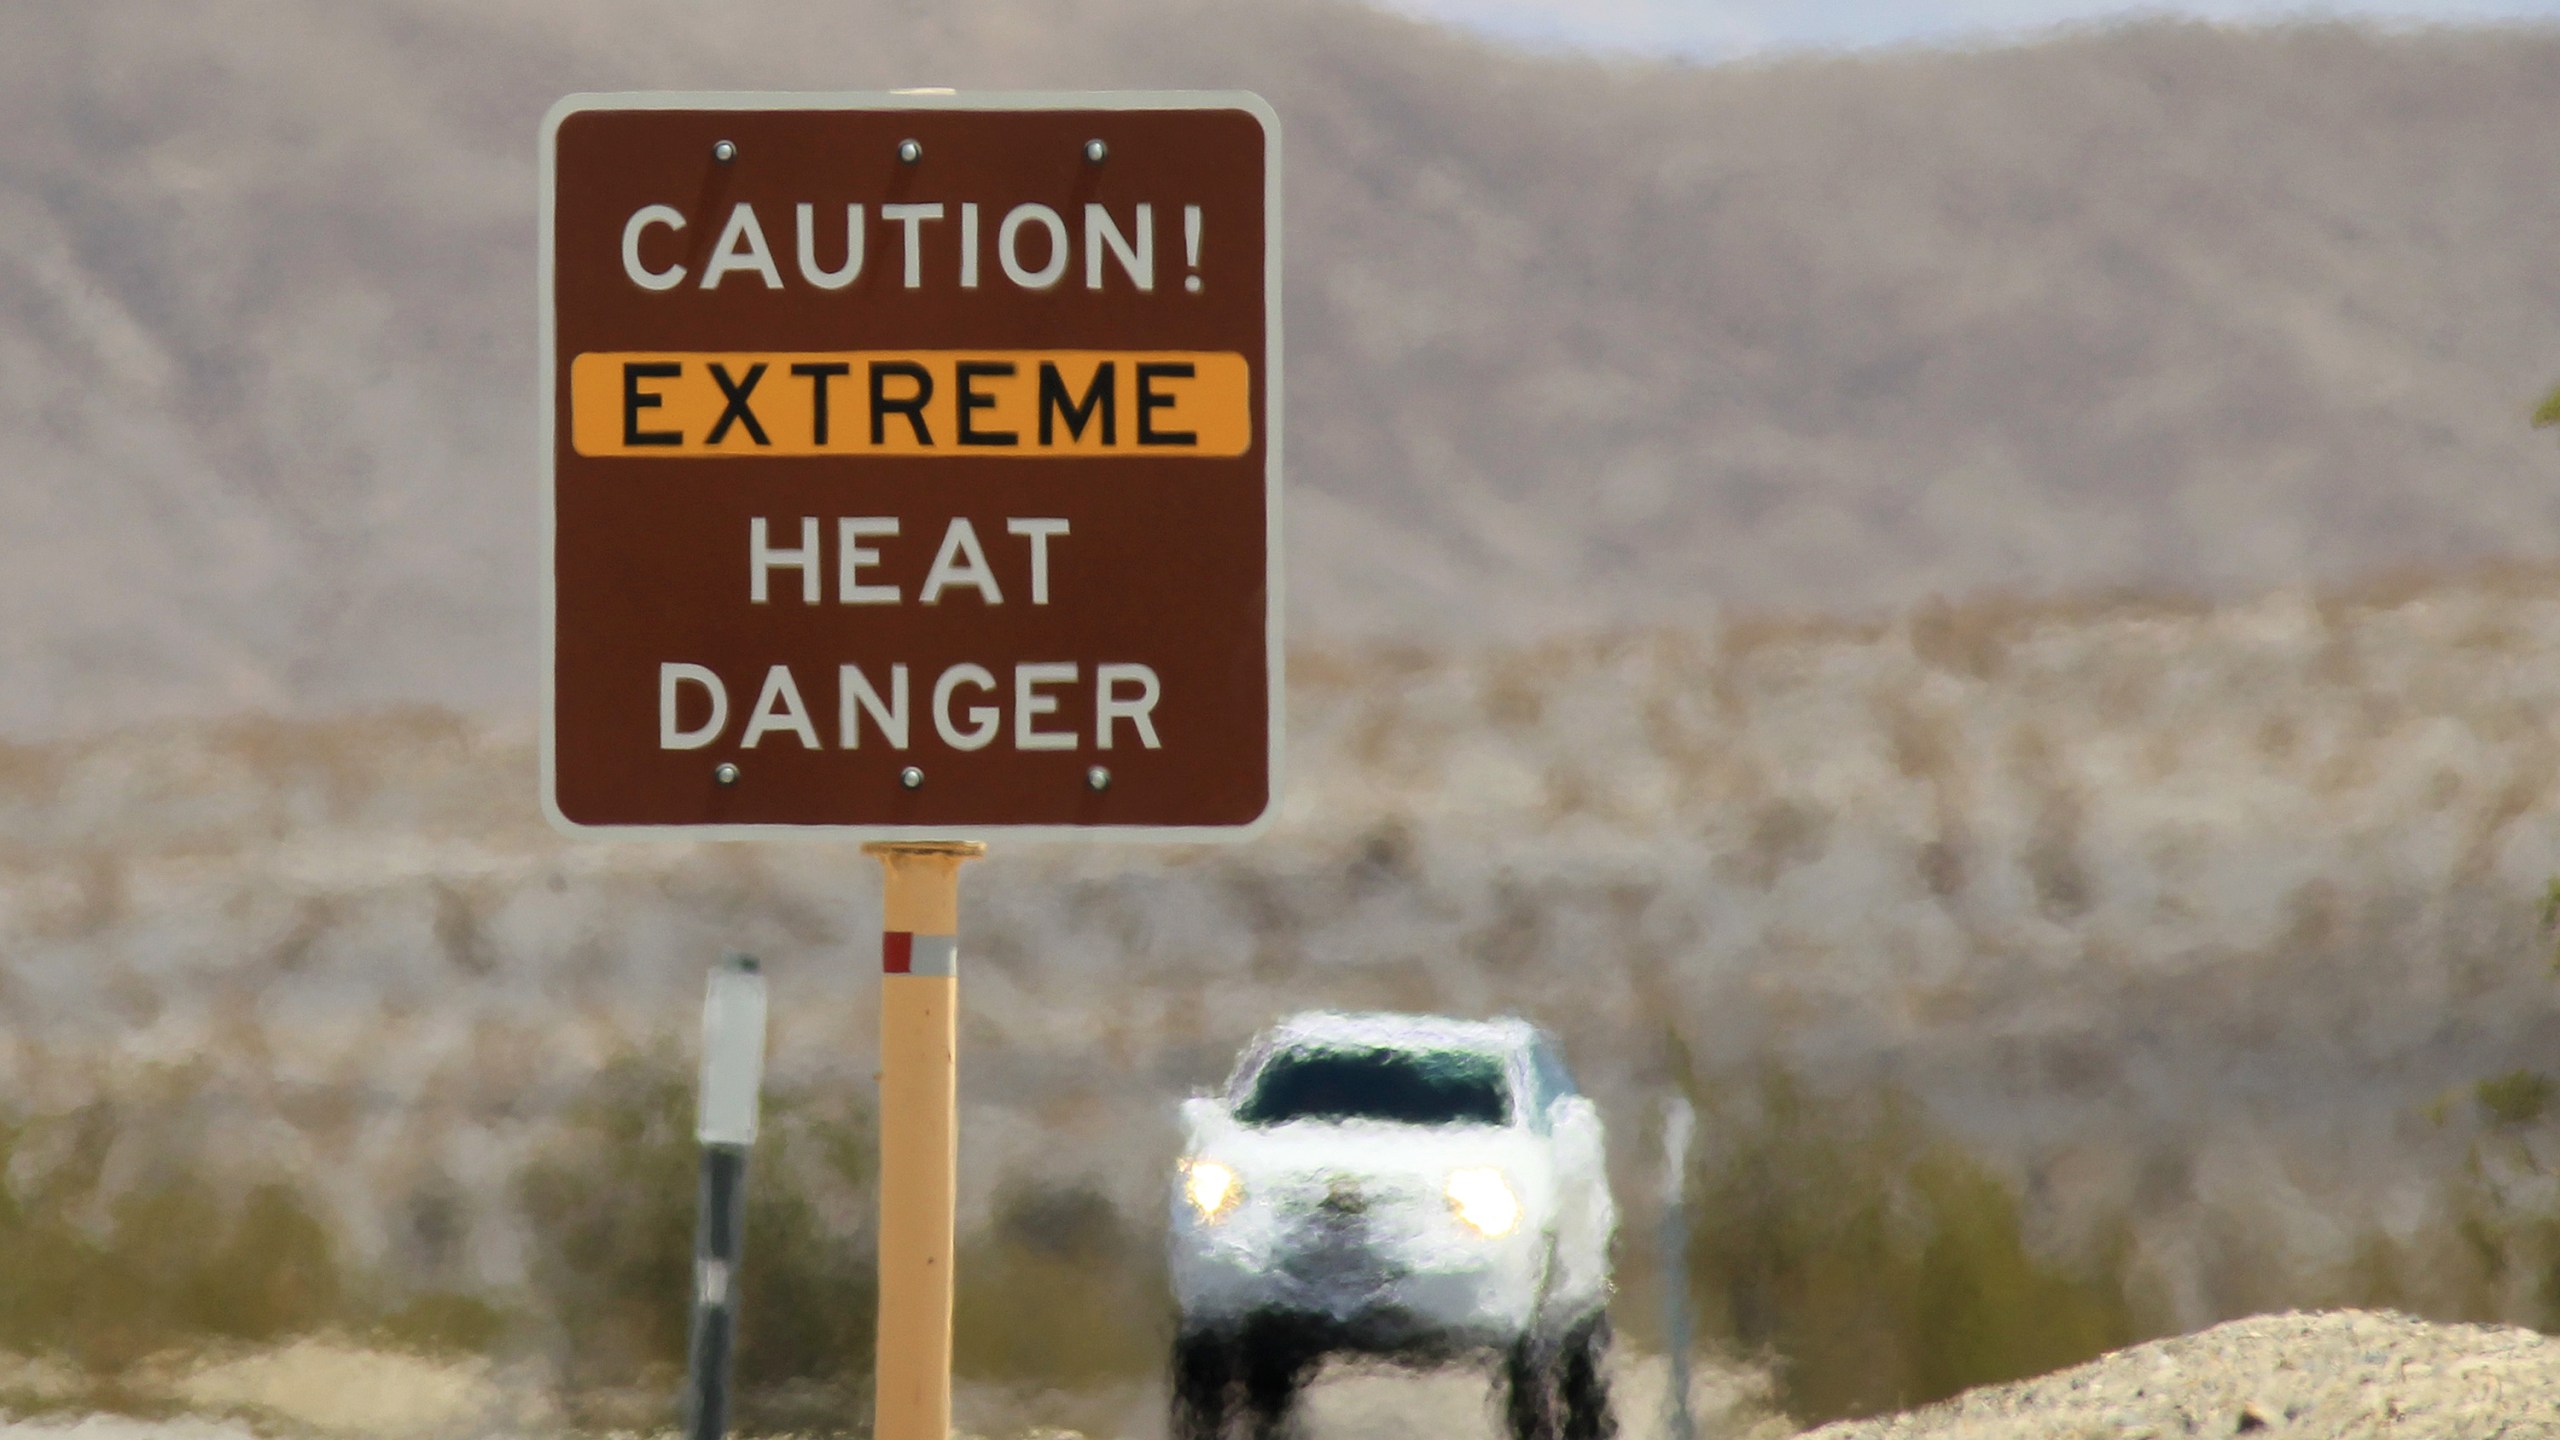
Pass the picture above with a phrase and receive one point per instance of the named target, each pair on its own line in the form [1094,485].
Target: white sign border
[1275,657]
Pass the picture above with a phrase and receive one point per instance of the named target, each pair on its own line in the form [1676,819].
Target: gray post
[1678,1119]
[715,1270]
[732,1073]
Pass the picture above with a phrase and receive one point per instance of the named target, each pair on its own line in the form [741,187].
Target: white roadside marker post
[733,1011]
[1678,1119]
[919,1131]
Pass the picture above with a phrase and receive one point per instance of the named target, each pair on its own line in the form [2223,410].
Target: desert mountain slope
[1571,344]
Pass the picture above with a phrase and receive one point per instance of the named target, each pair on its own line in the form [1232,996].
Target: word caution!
[1033,247]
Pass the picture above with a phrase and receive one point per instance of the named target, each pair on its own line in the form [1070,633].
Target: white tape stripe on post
[905,954]
[934,955]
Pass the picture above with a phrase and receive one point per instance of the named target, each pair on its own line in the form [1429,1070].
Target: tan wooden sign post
[913,479]
[919,1129]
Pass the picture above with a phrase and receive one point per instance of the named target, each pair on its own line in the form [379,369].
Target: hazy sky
[1714,29]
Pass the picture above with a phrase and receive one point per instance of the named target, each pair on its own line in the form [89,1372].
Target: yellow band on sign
[997,403]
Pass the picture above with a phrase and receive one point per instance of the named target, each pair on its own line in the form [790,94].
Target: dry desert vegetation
[2050,976]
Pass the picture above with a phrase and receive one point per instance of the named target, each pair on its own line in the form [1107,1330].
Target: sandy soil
[2289,1377]
[316,1390]
[2333,1374]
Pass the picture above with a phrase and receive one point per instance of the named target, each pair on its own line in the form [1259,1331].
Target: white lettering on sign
[857,697]
[1101,234]
[778,707]
[1035,246]
[982,718]
[960,561]
[1029,704]
[641,275]
[913,218]
[960,564]
[672,678]
[1138,709]
[1039,533]
[693,700]
[741,247]
[1009,246]
[693,707]
[852,557]
[763,559]
[817,274]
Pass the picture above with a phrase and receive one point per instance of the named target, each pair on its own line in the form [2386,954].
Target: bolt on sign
[914,464]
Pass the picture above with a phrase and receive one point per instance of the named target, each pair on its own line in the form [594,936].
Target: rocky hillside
[2342,1374]
[1573,345]
[2188,914]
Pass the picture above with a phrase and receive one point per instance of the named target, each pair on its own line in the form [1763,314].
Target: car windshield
[1401,1087]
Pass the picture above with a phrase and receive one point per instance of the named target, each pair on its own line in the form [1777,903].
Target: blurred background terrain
[1571,343]
[1991,615]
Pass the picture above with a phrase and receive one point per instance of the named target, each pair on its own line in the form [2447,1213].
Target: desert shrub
[2504,1201]
[2515,1099]
[612,1205]
[2504,1198]
[168,1262]
[446,1322]
[611,1212]
[1060,1290]
[1874,1261]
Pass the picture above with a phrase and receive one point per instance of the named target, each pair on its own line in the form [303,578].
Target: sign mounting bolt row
[1097,778]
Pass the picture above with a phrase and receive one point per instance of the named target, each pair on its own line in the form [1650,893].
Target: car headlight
[1483,1199]
[1212,1188]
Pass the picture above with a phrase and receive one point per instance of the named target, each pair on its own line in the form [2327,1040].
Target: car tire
[1204,1371]
[1529,1390]
[1582,1383]
[1274,1363]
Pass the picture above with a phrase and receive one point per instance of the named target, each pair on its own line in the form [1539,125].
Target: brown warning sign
[913,464]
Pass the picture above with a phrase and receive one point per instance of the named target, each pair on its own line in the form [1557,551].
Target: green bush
[612,1208]
[169,1262]
[2505,1202]
[1874,1262]
[446,1322]
[2515,1099]
[1060,1291]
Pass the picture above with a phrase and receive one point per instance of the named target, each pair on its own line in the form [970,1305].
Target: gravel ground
[1350,1403]
[2286,1377]
[125,1427]
[2337,1373]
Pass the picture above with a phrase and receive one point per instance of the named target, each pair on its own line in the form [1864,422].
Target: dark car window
[1401,1087]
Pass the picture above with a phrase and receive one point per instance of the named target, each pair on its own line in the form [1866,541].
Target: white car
[1404,1187]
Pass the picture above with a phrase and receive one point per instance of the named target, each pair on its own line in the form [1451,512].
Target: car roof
[1391,1030]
